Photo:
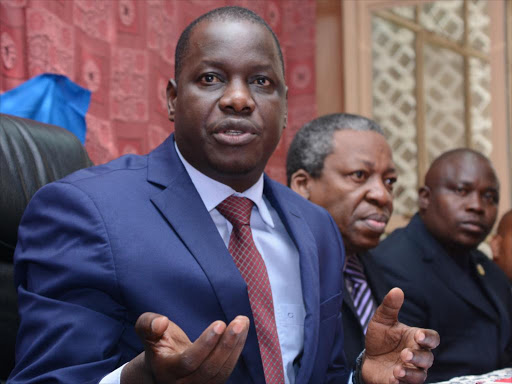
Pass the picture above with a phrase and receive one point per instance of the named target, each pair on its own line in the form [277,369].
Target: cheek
[492,213]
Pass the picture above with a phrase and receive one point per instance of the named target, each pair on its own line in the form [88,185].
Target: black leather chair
[32,154]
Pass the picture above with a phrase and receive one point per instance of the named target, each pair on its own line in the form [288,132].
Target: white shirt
[278,252]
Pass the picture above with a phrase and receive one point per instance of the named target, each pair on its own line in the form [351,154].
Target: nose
[379,194]
[474,202]
[237,98]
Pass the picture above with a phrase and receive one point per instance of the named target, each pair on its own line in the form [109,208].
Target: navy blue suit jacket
[106,244]
[472,313]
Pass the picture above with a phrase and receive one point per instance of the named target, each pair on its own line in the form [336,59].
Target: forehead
[243,41]
[467,168]
[351,147]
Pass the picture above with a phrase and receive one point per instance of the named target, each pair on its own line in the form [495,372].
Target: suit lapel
[449,272]
[376,283]
[347,300]
[185,212]
[488,284]
[305,242]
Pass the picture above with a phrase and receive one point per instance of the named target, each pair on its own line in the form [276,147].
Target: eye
[262,80]
[390,181]
[491,197]
[359,175]
[209,78]
[461,191]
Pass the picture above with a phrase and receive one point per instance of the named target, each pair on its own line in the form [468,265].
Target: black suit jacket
[471,311]
[352,329]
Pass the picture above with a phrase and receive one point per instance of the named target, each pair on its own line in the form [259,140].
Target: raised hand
[170,357]
[396,353]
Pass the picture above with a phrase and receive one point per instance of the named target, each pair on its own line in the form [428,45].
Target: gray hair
[314,141]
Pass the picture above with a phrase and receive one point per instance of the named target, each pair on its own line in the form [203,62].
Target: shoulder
[401,255]
[125,167]
[94,188]
[394,246]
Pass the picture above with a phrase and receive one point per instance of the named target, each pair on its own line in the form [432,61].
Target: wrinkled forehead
[362,146]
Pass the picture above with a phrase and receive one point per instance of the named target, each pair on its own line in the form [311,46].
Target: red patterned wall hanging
[123,51]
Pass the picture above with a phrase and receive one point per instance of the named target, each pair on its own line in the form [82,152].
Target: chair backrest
[32,154]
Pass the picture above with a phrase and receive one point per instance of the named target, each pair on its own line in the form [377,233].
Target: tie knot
[237,210]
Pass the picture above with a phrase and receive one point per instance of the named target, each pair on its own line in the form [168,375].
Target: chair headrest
[32,154]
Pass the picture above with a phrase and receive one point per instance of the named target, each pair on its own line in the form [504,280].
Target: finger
[420,358]
[194,356]
[387,312]
[408,375]
[217,367]
[427,338]
[230,363]
[151,326]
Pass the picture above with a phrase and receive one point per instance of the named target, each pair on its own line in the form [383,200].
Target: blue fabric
[51,99]
[105,244]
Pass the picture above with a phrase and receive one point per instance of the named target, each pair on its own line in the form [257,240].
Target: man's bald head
[459,201]
[501,244]
[447,159]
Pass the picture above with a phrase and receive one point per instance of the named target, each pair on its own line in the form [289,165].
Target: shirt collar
[212,192]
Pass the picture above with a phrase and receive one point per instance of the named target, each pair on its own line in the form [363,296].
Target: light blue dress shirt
[279,254]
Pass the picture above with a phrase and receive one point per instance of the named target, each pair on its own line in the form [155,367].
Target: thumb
[387,312]
[151,326]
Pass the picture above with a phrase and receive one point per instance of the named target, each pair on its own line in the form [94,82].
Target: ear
[300,182]
[172,95]
[496,246]
[423,198]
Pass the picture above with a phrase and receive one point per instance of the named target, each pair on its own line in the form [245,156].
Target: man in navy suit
[449,285]
[119,267]
[343,163]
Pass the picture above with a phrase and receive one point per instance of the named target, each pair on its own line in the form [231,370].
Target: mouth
[376,222]
[235,132]
[473,226]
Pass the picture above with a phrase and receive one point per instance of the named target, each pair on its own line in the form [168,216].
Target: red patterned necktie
[237,210]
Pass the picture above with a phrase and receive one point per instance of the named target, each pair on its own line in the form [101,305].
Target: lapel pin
[480,269]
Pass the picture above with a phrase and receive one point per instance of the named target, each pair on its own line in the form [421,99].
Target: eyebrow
[254,67]
[371,164]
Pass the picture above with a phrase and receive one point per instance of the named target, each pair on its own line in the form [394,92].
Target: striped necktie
[359,291]
[237,210]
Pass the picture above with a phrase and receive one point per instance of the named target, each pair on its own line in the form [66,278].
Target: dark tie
[359,291]
[237,210]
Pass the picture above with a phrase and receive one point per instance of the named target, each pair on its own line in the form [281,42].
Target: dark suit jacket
[473,314]
[352,329]
[105,244]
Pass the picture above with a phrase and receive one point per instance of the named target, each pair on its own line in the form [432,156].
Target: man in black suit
[449,285]
[343,163]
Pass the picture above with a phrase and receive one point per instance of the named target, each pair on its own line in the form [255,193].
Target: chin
[468,243]
[233,168]
[366,245]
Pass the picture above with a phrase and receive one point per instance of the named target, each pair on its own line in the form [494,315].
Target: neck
[348,254]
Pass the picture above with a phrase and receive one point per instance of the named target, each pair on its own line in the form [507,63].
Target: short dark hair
[231,13]
[314,141]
